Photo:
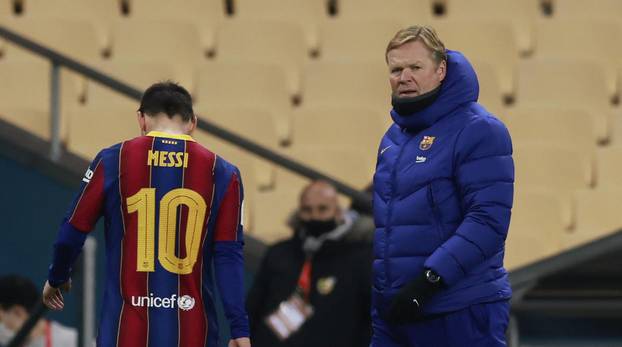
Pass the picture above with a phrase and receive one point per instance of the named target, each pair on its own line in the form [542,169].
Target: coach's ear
[142,123]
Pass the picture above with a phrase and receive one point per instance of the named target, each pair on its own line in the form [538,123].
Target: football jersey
[172,212]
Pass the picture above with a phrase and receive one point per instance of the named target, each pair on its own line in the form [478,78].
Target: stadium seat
[597,215]
[519,13]
[557,168]
[569,84]
[36,121]
[307,13]
[348,164]
[77,38]
[408,12]
[264,41]
[342,84]
[5,10]
[356,40]
[92,10]
[138,74]
[609,167]
[257,173]
[583,39]
[338,127]
[539,221]
[491,41]
[246,86]
[490,94]
[253,124]
[579,9]
[113,124]
[271,212]
[573,128]
[176,41]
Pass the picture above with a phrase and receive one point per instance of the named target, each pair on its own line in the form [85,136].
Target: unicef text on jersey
[185,302]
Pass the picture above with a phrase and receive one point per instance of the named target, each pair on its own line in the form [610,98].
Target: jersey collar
[171,136]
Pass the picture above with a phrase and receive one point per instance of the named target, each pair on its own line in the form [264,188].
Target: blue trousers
[481,325]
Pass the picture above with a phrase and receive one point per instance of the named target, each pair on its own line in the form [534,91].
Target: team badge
[426,143]
[326,285]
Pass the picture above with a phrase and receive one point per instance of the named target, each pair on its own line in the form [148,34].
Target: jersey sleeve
[228,256]
[81,217]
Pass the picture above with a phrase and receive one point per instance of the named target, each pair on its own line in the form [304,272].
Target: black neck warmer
[406,106]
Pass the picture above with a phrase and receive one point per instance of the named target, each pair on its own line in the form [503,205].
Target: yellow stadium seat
[567,84]
[307,13]
[609,167]
[492,41]
[406,11]
[519,13]
[349,127]
[583,39]
[539,221]
[76,38]
[246,86]
[557,168]
[574,128]
[264,41]
[348,164]
[137,74]
[168,40]
[36,121]
[272,211]
[597,215]
[356,39]
[253,124]
[6,10]
[84,9]
[257,173]
[114,124]
[490,94]
[581,9]
[343,84]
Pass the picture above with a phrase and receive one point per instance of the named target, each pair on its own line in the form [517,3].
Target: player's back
[161,195]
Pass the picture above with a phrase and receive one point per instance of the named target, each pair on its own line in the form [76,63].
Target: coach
[442,198]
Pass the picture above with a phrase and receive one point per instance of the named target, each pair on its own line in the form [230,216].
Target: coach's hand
[407,304]
[241,342]
[53,297]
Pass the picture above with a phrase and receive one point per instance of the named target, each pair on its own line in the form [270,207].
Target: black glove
[407,304]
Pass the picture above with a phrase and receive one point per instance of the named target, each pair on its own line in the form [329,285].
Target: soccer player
[172,213]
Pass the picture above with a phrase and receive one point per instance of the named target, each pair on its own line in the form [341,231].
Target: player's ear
[142,123]
[192,124]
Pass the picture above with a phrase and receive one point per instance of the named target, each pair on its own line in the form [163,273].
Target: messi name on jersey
[167,159]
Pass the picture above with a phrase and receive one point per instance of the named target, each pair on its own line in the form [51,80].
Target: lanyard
[48,334]
[304,280]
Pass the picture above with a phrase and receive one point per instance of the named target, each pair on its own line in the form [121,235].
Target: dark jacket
[341,317]
[443,192]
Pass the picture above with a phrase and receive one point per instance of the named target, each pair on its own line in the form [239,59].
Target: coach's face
[412,70]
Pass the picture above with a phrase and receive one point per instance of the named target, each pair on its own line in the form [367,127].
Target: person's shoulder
[481,123]
[281,249]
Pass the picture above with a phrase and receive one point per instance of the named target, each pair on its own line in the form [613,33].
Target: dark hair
[18,291]
[169,98]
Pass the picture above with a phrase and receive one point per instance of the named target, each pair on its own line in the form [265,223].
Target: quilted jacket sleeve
[484,174]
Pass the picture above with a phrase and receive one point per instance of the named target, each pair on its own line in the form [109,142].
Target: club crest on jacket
[426,143]
[326,285]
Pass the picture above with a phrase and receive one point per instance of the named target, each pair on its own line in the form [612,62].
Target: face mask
[406,106]
[316,227]
[6,335]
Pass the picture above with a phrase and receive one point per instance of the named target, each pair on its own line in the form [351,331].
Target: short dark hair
[16,290]
[169,98]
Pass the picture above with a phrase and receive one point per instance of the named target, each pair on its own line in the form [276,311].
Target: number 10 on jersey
[144,203]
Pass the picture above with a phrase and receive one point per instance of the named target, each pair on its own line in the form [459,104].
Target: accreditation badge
[289,316]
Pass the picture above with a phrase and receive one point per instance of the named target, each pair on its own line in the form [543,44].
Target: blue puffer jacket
[443,192]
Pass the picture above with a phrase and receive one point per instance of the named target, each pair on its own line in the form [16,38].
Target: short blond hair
[424,33]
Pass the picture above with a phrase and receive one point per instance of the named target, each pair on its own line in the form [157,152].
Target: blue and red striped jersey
[173,223]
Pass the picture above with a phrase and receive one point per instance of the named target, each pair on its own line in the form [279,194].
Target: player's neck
[168,130]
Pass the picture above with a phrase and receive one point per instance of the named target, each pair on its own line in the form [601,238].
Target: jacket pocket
[436,213]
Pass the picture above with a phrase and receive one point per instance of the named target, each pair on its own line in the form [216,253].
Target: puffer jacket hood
[459,87]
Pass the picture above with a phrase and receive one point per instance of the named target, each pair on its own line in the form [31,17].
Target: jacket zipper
[435,212]
[390,210]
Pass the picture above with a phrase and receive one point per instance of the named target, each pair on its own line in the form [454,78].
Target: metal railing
[59,60]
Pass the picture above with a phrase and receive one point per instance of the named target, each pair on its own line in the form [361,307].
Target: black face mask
[315,227]
[406,106]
